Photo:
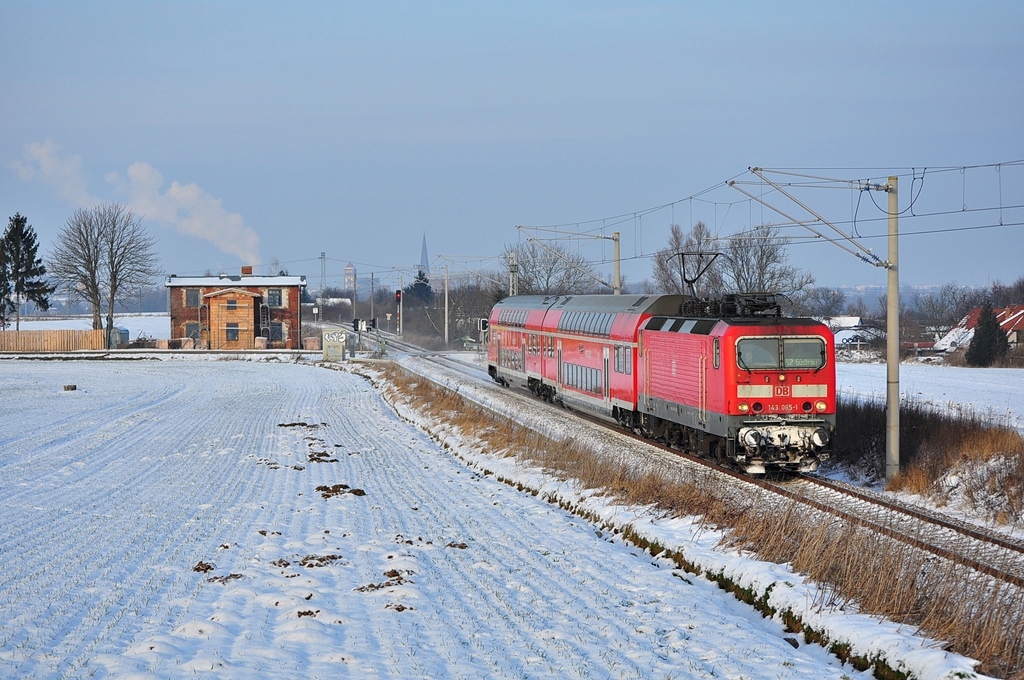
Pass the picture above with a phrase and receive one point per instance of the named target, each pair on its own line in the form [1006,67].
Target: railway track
[986,552]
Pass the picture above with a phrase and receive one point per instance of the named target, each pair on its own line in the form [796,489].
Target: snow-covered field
[150,325]
[111,494]
[995,393]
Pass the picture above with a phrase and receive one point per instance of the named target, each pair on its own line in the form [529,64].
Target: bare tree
[1006,295]
[824,301]
[76,262]
[130,260]
[944,308]
[857,308]
[101,252]
[757,262]
[671,267]
[552,269]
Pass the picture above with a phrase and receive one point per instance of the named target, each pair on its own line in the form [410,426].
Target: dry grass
[978,617]
[951,455]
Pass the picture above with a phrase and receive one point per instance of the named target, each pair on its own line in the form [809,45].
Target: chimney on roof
[247,270]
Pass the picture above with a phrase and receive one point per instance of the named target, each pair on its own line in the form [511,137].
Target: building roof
[234,281]
[1011,319]
[633,304]
[229,291]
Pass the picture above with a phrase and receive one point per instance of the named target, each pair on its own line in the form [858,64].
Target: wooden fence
[51,341]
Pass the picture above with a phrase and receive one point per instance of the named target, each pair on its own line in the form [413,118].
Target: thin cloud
[186,208]
[63,174]
[189,210]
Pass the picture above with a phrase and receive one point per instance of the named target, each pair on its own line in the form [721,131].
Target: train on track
[731,380]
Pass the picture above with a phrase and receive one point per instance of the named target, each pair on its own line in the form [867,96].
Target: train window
[608,321]
[803,353]
[629,360]
[656,323]
[757,353]
[718,353]
[618,360]
[676,325]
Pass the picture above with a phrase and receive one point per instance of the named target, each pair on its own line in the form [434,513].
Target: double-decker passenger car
[733,381]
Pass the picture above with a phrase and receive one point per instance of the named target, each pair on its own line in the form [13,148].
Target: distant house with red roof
[1011,320]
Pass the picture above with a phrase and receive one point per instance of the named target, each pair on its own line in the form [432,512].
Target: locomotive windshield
[772,353]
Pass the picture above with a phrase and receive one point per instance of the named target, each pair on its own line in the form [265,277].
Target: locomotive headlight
[820,437]
[820,406]
[743,407]
[782,377]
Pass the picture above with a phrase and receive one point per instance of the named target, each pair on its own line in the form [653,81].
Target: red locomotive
[732,380]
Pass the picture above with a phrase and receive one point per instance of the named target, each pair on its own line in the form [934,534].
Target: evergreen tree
[989,343]
[6,301]
[24,268]
[419,292]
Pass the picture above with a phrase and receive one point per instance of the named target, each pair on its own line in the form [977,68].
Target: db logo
[782,390]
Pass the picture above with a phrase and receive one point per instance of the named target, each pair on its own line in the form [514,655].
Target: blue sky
[251,131]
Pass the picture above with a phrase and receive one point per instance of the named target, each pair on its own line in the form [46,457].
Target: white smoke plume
[189,210]
[63,174]
[186,208]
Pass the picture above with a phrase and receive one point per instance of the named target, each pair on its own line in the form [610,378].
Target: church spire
[424,260]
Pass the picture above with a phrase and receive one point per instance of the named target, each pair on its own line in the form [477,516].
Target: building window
[192,331]
[191,297]
[276,331]
[232,304]
[232,333]
[274,297]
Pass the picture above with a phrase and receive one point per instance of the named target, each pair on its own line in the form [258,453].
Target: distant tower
[424,260]
[350,277]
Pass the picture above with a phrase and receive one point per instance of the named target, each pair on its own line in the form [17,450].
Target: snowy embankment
[403,564]
[781,589]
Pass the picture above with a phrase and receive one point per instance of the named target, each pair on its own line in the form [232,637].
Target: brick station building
[236,312]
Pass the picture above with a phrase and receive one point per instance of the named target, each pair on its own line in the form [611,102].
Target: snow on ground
[994,393]
[112,493]
[152,325]
[782,589]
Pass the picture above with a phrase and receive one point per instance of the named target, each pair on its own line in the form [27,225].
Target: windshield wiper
[739,360]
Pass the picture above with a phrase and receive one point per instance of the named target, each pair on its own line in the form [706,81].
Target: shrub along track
[949,578]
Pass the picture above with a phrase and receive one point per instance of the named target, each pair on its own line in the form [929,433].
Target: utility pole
[892,341]
[617,288]
[401,307]
[371,295]
[513,275]
[323,283]
[446,306]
